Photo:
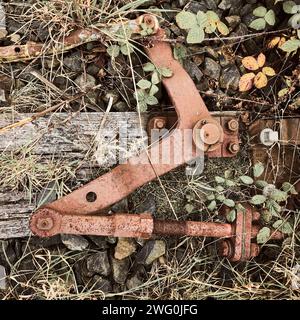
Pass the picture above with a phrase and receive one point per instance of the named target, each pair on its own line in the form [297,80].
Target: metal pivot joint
[217,136]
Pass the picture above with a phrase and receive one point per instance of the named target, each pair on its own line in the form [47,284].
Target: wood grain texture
[59,135]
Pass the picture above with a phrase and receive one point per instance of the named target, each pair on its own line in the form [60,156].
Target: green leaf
[263,235]
[258,24]
[219,179]
[151,100]
[267,216]
[260,12]
[179,52]
[286,228]
[195,35]
[212,17]
[291,45]
[229,183]
[228,174]
[283,226]
[246,179]
[258,169]
[273,207]
[298,33]
[149,67]
[223,29]
[258,199]
[270,17]
[231,215]
[144,84]
[229,203]
[211,28]
[219,188]
[189,207]
[166,72]
[126,49]
[212,206]
[279,195]
[240,208]
[140,95]
[113,50]
[202,19]
[142,106]
[294,21]
[186,20]
[283,92]
[261,183]
[210,197]
[289,7]
[288,187]
[153,90]
[155,79]
[220,197]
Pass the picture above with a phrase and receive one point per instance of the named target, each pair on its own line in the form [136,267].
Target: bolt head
[233,147]
[159,123]
[45,223]
[233,125]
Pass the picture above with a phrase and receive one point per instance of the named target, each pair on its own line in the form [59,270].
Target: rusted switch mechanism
[217,137]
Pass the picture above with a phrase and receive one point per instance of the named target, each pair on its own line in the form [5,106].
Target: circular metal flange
[207,133]
[45,223]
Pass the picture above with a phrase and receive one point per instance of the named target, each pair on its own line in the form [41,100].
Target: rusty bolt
[233,147]
[255,216]
[233,125]
[254,250]
[45,223]
[159,123]
[224,248]
[210,134]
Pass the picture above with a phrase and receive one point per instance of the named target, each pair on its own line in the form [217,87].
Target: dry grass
[191,269]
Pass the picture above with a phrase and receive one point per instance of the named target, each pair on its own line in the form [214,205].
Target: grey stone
[121,106]
[133,282]
[227,4]
[99,283]
[120,206]
[193,70]
[3,284]
[74,62]
[148,205]
[120,269]
[74,242]
[114,94]
[93,69]
[233,21]
[211,68]
[230,78]
[196,6]
[98,263]
[85,81]
[181,3]
[152,250]
[51,63]
[99,241]
[124,248]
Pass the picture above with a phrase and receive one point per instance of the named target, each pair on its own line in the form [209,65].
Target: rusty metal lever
[74,213]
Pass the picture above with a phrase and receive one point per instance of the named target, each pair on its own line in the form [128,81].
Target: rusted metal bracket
[217,137]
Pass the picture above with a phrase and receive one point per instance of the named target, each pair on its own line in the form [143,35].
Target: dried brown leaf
[261,60]
[246,82]
[250,63]
[260,80]
[268,71]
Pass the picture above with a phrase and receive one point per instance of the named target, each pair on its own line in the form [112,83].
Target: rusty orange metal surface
[75,213]
[281,160]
